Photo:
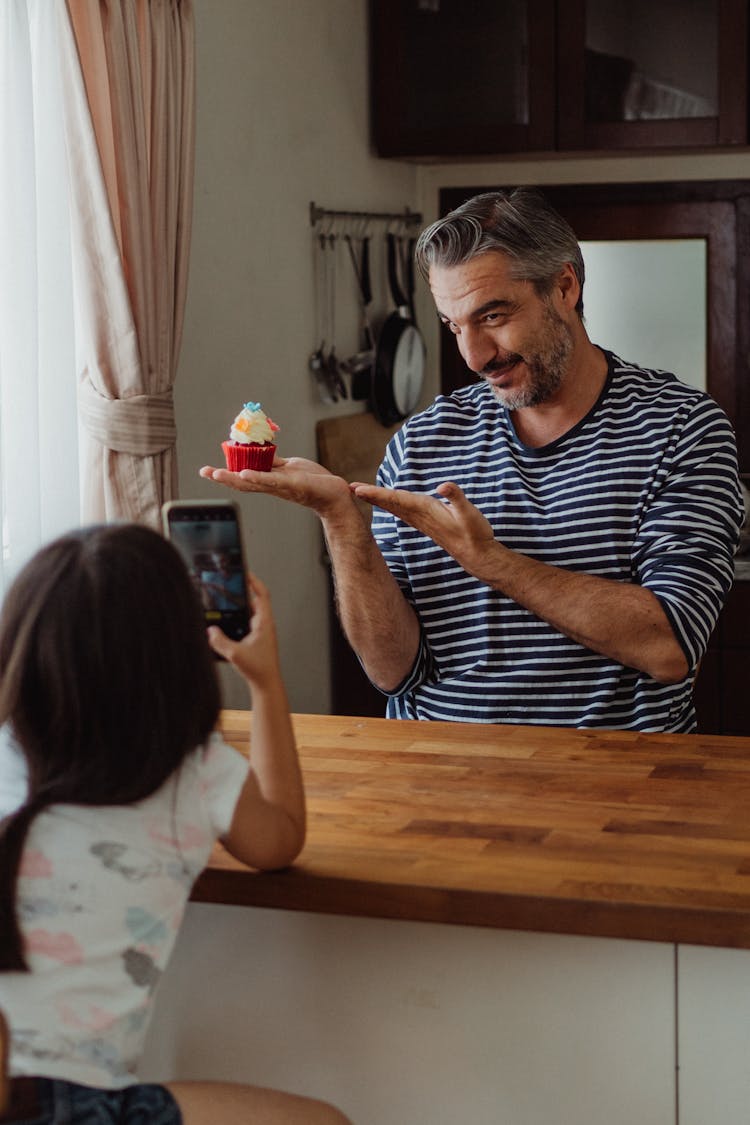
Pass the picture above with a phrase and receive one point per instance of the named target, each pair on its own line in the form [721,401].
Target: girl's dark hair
[107,681]
[520,224]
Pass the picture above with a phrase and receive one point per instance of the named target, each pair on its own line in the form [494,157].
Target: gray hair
[519,223]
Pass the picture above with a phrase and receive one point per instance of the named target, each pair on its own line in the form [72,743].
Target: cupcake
[251,440]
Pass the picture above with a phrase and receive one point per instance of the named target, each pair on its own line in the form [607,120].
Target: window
[39,465]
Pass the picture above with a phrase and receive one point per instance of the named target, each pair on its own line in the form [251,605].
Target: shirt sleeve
[685,547]
[223,772]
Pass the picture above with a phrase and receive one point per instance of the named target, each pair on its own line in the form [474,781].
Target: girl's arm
[269,822]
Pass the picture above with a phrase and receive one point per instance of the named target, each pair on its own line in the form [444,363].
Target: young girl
[114,787]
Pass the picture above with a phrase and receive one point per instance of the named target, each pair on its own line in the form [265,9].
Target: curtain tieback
[142,425]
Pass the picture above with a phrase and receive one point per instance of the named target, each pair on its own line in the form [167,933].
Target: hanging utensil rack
[337,378]
[407,216]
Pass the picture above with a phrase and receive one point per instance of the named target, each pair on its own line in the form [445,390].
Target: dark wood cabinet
[722,699]
[652,74]
[351,691]
[452,78]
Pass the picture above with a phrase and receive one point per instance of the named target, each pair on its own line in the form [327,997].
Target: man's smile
[497,371]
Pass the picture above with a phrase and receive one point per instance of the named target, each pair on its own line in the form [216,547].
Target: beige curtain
[130,128]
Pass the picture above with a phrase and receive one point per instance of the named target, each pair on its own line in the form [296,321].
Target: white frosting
[252,425]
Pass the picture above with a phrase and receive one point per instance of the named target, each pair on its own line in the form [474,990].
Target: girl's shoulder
[214,775]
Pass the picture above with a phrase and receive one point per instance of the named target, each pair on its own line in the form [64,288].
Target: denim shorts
[52,1101]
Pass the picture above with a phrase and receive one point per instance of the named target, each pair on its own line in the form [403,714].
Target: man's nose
[476,348]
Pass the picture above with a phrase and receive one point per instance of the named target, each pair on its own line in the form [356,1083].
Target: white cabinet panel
[404,1022]
[714,1035]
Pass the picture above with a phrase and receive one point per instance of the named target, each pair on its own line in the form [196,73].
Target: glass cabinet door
[450,77]
[652,72]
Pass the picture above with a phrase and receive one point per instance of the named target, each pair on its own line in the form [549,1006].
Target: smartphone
[207,535]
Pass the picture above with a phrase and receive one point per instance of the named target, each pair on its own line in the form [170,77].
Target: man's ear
[567,286]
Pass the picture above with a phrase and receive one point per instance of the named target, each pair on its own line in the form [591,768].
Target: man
[552,544]
[223,583]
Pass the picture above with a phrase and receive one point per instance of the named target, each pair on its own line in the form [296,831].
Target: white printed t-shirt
[100,898]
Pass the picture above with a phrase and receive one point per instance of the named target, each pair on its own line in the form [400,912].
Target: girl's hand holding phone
[256,655]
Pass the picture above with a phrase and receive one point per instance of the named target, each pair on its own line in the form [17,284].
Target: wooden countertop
[608,833]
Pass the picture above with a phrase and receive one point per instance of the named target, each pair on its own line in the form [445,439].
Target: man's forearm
[617,619]
[620,620]
[379,623]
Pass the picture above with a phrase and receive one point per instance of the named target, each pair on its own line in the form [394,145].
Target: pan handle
[362,275]
[410,276]
[396,292]
[365,283]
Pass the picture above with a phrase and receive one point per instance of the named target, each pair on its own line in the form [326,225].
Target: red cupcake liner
[240,455]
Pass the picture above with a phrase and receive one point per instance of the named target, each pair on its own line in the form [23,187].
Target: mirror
[627,280]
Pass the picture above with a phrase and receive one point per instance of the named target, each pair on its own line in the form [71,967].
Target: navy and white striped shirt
[644,490]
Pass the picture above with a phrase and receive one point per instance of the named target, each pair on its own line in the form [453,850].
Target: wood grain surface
[608,833]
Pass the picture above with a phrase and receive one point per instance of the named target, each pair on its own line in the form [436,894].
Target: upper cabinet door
[465,78]
[451,78]
[651,73]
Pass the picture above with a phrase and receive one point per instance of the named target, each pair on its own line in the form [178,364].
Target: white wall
[282,120]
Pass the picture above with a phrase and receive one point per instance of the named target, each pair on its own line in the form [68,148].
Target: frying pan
[399,356]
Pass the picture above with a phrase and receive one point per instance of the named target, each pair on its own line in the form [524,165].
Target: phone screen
[208,538]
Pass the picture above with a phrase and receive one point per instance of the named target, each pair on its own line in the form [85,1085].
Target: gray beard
[547,369]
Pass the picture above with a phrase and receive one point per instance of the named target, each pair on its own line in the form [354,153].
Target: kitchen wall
[282,120]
